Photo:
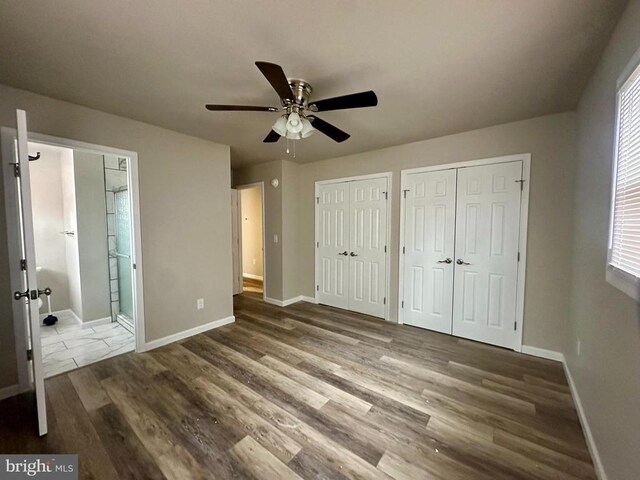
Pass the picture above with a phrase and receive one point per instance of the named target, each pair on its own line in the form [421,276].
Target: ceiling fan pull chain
[287,146]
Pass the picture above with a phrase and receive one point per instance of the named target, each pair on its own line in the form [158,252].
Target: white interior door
[333,245]
[430,212]
[236,241]
[487,238]
[26,287]
[367,245]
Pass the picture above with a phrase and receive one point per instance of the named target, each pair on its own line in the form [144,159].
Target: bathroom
[82,221]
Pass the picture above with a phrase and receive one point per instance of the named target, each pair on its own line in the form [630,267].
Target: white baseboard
[96,322]
[252,276]
[290,301]
[188,333]
[9,391]
[309,299]
[591,443]
[543,353]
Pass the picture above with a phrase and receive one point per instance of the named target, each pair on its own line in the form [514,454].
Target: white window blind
[625,232]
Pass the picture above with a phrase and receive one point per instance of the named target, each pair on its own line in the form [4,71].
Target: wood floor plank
[259,462]
[313,392]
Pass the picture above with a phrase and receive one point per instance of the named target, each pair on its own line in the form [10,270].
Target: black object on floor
[50,320]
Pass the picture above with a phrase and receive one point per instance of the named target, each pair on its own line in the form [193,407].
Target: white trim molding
[252,276]
[188,333]
[584,422]
[9,391]
[586,429]
[542,353]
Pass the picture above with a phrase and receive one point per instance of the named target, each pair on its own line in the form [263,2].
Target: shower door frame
[136,242]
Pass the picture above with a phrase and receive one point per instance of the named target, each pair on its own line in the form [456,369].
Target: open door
[236,242]
[24,285]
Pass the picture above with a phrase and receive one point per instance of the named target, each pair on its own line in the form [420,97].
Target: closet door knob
[353,254]
[345,253]
[462,262]
[448,260]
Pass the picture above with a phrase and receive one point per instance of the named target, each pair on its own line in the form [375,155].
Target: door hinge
[318,200]
[135,266]
[403,250]
[29,355]
[385,249]
[23,264]
[402,306]
[404,193]
[521,182]
[16,170]
[386,195]
[515,326]
[518,256]
[317,288]
[317,244]
[384,301]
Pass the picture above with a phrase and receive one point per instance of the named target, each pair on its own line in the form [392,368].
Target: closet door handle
[462,262]
[345,253]
[448,260]
[353,254]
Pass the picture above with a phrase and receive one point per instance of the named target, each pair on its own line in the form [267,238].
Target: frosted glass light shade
[307,128]
[294,123]
[293,135]
[280,127]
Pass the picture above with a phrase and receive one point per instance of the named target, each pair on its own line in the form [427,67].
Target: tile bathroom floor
[67,345]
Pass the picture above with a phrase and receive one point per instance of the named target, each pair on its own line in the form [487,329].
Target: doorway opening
[82,232]
[85,224]
[250,257]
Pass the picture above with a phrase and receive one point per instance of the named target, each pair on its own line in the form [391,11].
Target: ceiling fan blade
[329,130]
[239,108]
[354,100]
[278,80]
[272,137]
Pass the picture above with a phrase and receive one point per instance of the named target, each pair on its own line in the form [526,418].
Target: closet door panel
[333,248]
[429,229]
[368,234]
[487,239]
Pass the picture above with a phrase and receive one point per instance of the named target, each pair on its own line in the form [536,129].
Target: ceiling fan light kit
[294,95]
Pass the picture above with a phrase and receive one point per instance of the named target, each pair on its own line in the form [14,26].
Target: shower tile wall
[115,176]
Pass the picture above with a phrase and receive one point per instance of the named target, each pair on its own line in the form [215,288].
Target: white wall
[91,234]
[605,320]
[251,203]
[71,225]
[48,222]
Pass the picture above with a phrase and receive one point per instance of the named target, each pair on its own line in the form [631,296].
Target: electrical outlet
[200,303]
[275,238]
[254,261]
[578,347]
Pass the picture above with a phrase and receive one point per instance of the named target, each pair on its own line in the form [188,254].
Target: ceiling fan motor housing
[301,91]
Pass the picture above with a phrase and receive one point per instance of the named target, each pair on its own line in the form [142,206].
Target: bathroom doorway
[86,235]
[251,208]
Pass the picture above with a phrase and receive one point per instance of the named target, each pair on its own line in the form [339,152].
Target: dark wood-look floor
[311,392]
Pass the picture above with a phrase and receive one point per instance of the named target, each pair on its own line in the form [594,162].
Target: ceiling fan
[296,123]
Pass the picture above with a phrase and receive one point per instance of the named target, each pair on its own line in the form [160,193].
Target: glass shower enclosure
[119,240]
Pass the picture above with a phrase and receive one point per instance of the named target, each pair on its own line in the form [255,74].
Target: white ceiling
[437,66]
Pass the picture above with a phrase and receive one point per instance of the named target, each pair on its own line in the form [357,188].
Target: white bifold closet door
[487,239]
[461,238]
[352,245]
[430,218]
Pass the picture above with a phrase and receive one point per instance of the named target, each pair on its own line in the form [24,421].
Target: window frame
[624,281]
